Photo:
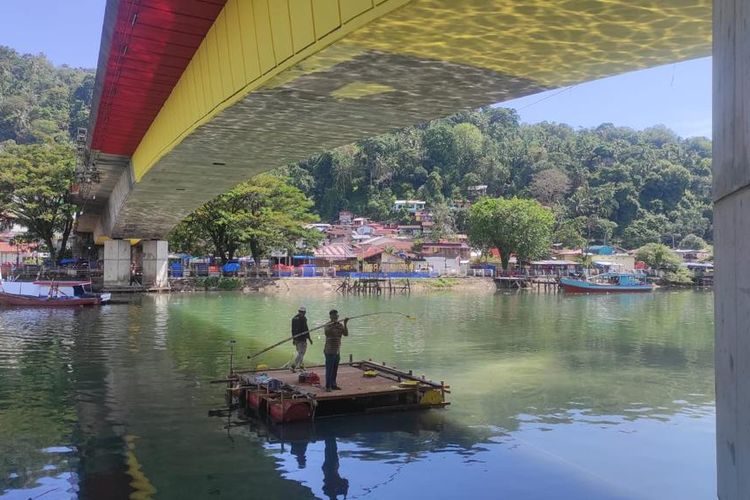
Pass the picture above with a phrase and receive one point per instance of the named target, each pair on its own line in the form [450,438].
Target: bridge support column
[116,263]
[155,260]
[731,174]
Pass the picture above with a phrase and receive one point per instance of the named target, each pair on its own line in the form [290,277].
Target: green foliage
[570,234]
[440,283]
[628,187]
[34,184]
[511,225]
[681,276]
[39,102]
[692,242]
[659,256]
[258,215]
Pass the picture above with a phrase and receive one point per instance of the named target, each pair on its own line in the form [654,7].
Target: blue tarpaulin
[231,267]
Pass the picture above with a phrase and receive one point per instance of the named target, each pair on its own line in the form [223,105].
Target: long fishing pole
[277,344]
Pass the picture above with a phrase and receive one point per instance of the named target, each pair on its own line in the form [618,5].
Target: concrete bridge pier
[731,190]
[155,263]
[116,263]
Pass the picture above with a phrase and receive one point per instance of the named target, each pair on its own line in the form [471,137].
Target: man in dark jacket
[334,331]
[300,337]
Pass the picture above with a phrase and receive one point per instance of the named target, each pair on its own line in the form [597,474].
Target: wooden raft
[288,400]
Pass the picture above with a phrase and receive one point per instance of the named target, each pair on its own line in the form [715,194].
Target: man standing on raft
[334,331]
[300,337]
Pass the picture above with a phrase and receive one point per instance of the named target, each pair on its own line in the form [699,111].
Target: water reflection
[589,397]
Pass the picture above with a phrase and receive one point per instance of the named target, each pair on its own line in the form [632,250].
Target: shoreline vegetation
[319,285]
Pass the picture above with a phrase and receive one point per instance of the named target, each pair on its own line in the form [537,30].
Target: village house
[473,193]
[409,230]
[411,206]
[338,234]
[447,258]
[345,217]
[339,255]
[693,255]
[554,267]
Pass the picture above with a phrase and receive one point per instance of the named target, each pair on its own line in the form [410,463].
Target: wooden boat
[10,299]
[50,294]
[606,283]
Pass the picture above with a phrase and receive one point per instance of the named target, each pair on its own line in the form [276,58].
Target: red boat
[49,294]
[10,299]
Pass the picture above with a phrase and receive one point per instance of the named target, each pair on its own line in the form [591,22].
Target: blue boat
[607,283]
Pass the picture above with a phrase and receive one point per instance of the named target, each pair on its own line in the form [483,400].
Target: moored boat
[606,283]
[50,294]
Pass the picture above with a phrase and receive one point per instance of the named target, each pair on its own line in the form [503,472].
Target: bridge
[195,96]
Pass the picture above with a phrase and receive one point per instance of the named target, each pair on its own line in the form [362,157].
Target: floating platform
[366,387]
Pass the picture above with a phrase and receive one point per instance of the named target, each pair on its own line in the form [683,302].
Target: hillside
[608,183]
[40,102]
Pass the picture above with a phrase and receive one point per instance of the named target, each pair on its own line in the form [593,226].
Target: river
[553,396]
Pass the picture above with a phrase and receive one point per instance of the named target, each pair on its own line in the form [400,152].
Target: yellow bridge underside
[324,52]
[552,43]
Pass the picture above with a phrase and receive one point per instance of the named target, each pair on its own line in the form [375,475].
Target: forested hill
[607,183]
[40,102]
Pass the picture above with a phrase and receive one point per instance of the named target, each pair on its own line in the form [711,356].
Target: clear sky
[66,31]
[676,95]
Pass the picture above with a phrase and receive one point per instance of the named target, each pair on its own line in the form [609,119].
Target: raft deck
[287,400]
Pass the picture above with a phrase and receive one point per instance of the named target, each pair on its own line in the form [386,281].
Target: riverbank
[307,286]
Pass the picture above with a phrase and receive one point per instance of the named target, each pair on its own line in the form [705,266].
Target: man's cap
[332,312]
[302,309]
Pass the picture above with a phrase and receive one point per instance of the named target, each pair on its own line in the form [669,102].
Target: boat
[50,294]
[607,283]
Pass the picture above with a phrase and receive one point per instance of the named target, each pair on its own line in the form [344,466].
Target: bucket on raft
[253,399]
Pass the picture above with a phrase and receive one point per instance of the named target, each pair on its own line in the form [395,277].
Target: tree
[570,234]
[511,225]
[443,223]
[260,214]
[658,256]
[647,228]
[34,190]
[550,185]
[630,186]
[39,102]
[692,242]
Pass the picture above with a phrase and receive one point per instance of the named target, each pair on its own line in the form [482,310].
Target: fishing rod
[277,344]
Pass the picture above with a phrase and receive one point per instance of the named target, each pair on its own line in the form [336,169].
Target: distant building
[365,230]
[345,217]
[411,206]
[423,216]
[693,255]
[605,250]
[476,192]
[447,249]
[320,227]
[555,267]
[338,234]
[409,230]
[340,254]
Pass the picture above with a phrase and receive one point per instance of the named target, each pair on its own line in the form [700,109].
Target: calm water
[554,396]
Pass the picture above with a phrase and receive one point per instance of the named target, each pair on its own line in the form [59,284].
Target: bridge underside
[408,62]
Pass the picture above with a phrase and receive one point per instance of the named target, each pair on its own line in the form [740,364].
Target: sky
[675,95]
[66,31]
